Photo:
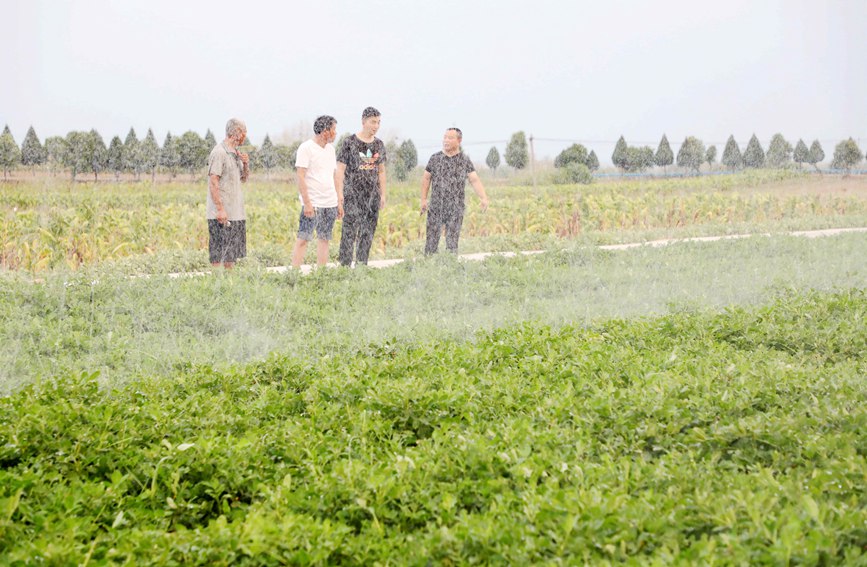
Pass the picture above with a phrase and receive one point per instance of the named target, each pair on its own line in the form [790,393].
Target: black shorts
[227,243]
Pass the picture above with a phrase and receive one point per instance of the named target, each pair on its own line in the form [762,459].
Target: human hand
[340,211]
[308,211]
[222,216]
[485,204]
[245,158]
[423,209]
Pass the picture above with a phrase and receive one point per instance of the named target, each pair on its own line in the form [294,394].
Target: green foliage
[692,438]
[210,141]
[592,161]
[493,159]
[131,154]
[731,157]
[817,154]
[192,152]
[710,156]
[847,154]
[802,153]
[55,150]
[637,159]
[618,157]
[779,152]
[268,154]
[79,152]
[754,155]
[32,152]
[691,153]
[576,153]
[170,155]
[114,162]
[97,153]
[408,154]
[149,153]
[572,173]
[517,155]
[286,154]
[664,156]
[10,155]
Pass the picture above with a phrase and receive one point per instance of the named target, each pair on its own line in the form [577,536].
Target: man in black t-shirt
[446,177]
[361,174]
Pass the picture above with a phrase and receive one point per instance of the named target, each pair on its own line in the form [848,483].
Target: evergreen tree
[779,152]
[97,153]
[408,154]
[802,153]
[847,154]
[731,157]
[78,152]
[664,156]
[618,158]
[576,153]
[637,159]
[493,159]
[10,154]
[114,162]
[592,161]
[32,152]
[286,155]
[55,151]
[710,157]
[131,154]
[691,153]
[754,155]
[517,154]
[268,155]
[6,130]
[170,156]
[817,154]
[191,152]
[210,141]
[149,154]
[399,168]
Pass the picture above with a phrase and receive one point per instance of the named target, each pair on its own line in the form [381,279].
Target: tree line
[692,154]
[81,153]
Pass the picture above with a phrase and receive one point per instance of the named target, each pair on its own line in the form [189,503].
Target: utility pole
[532,161]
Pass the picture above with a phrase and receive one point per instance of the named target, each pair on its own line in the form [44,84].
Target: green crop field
[701,403]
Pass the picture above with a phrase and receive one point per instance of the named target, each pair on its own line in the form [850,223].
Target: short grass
[101,320]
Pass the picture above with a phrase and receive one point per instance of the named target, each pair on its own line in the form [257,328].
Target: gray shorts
[322,222]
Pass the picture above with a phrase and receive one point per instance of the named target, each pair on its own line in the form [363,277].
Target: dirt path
[307,268]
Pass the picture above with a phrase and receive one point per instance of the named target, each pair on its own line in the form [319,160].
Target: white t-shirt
[320,163]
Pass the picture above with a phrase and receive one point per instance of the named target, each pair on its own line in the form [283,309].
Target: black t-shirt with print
[362,161]
[448,179]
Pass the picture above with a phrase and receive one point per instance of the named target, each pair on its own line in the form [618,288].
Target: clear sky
[563,71]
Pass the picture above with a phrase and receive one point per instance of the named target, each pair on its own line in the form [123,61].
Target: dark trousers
[450,218]
[356,234]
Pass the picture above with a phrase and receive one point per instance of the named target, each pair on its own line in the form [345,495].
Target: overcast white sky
[570,71]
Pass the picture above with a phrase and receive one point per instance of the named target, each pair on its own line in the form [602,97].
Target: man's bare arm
[339,178]
[214,188]
[301,173]
[425,188]
[476,182]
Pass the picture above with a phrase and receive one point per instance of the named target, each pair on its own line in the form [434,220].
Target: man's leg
[324,230]
[305,234]
[321,252]
[348,235]
[453,231]
[434,228]
[366,230]
[299,252]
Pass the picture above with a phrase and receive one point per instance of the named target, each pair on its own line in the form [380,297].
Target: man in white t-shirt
[322,202]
